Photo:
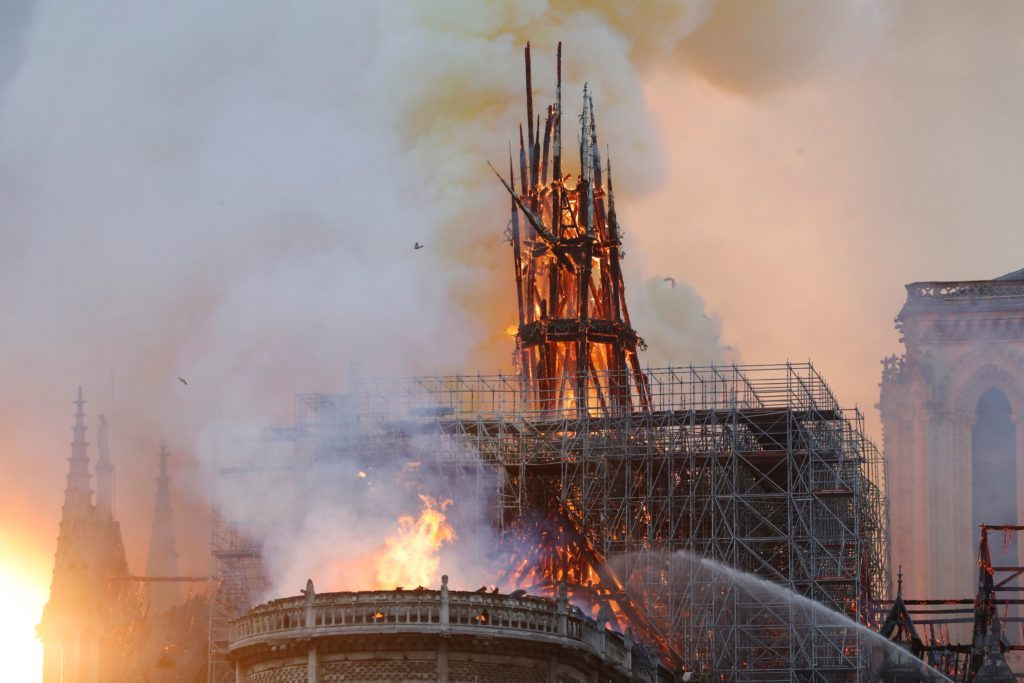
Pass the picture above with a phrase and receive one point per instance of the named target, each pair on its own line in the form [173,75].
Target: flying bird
[671,282]
[182,380]
[417,245]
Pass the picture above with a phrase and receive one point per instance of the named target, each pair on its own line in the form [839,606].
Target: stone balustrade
[965,290]
[441,611]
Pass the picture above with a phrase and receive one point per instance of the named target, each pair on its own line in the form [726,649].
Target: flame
[412,556]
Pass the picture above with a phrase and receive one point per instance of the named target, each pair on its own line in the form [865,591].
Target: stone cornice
[963,328]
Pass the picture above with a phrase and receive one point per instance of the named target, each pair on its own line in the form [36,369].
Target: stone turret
[163,555]
[104,473]
[952,409]
[90,608]
[78,493]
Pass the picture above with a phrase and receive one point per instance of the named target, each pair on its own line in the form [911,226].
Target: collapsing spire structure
[575,346]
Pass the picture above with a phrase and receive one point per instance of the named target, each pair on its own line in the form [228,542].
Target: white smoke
[15,20]
[673,321]
[231,193]
[323,505]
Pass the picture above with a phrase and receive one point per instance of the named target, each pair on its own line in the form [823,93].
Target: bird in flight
[417,245]
[671,282]
[182,380]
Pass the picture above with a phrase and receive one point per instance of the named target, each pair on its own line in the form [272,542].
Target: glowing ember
[412,556]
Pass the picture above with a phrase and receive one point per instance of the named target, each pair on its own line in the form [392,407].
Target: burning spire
[575,346]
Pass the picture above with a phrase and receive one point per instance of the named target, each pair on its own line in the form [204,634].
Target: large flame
[412,556]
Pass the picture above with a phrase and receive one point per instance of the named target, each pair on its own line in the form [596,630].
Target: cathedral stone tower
[85,625]
[952,410]
[163,556]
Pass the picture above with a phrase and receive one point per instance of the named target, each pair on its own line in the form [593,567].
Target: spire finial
[899,581]
[78,494]
[80,409]
[162,456]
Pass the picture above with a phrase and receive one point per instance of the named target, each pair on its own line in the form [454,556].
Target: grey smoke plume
[231,193]
[15,19]
[331,517]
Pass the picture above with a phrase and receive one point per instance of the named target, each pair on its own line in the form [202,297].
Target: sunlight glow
[24,594]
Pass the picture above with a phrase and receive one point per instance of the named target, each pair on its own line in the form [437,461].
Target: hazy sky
[799,212]
[230,192]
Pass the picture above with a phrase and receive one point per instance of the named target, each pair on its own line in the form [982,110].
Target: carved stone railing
[967,290]
[424,611]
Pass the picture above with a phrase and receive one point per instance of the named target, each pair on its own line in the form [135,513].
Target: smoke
[15,19]
[230,194]
[672,318]
[764,45]
[329,504]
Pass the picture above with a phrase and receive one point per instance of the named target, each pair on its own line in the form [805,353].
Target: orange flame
[412,556]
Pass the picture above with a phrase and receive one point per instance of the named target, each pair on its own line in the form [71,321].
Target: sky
[230,193]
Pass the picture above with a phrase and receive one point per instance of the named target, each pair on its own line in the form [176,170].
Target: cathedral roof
[1015,275]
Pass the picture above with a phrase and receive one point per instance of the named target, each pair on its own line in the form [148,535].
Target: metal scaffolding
[753,466]
[598,474]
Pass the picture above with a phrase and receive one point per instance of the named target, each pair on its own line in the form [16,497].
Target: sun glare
[23,597]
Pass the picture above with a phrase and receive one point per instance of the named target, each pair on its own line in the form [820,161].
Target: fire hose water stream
[721,592]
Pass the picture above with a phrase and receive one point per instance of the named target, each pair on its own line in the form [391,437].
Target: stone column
[946,510]
[937,452]
[563,609]
[444,618]
[239,678]
[313,664]
[442,659]
[312,656]
[908,495]
[553,669]
[1018,423]
[444,621]
[963,530]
